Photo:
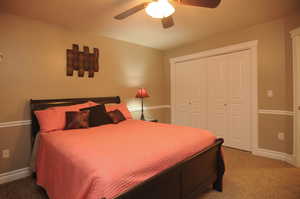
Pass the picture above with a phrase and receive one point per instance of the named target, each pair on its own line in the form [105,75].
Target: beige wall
[34,66]
[269,126]
[17,140]
[274,73]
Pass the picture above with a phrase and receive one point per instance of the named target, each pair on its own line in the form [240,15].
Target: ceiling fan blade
[200,3]
[131,11]
[167,22]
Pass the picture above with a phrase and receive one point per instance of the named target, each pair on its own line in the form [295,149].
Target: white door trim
[295,34]
[252,46]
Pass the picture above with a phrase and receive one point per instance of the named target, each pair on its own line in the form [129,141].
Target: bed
[159,172]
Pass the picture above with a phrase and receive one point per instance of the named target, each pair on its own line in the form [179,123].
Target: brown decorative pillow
[77,120]
[98,115]
[116,116]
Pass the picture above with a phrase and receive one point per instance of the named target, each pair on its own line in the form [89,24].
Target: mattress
[108,160]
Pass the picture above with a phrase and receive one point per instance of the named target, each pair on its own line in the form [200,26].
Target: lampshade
[160,9]
[142,93]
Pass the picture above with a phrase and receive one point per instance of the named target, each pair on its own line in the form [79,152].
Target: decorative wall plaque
[82,61]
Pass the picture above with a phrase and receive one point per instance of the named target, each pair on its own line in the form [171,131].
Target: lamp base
[142,117]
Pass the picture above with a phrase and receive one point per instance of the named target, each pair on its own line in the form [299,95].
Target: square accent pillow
[121,107]
[98,116]
[116,116]
[77,120]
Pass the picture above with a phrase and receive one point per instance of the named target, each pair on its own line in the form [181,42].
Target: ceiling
[192,23]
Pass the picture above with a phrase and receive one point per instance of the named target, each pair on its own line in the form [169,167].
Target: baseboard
[15,175]
[274,155]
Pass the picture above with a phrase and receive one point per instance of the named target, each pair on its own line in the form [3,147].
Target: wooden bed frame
[181,181]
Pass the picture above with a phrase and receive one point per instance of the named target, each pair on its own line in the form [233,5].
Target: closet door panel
[190,94]
[217,96]
[182,107]
[239,100]
[198,99]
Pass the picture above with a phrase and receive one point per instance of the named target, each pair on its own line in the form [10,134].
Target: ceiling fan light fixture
[160,9]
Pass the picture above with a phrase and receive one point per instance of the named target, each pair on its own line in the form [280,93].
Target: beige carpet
[246,177]
[252,177]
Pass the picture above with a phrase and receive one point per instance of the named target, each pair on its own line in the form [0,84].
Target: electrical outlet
[281,136]
[5,153]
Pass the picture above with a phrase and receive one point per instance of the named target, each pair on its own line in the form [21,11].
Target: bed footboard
[186,179]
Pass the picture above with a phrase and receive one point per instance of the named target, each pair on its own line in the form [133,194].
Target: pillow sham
[77,120]
[116,116]
[121,107]
[50,120]
[98,116]
[54,118]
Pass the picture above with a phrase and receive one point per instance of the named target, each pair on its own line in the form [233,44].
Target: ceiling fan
[164,10]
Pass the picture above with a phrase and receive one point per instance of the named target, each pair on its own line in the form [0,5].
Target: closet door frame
[295,35]
[252,46]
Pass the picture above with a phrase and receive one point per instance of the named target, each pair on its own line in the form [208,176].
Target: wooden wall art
[82,61]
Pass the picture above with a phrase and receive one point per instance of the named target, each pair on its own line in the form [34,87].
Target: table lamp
[142,93]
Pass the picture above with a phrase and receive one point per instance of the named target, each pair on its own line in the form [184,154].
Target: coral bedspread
[106,161]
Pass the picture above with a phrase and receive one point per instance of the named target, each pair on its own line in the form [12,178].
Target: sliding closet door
[198,96]
[217,95]
[239,100]
[214,93]
[190,94]
[182,110]
[229,98]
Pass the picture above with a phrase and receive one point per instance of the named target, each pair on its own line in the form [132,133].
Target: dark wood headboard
[44,104]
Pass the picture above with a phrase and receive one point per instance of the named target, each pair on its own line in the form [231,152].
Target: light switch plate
[281,136]
[270,93]
[1,57]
